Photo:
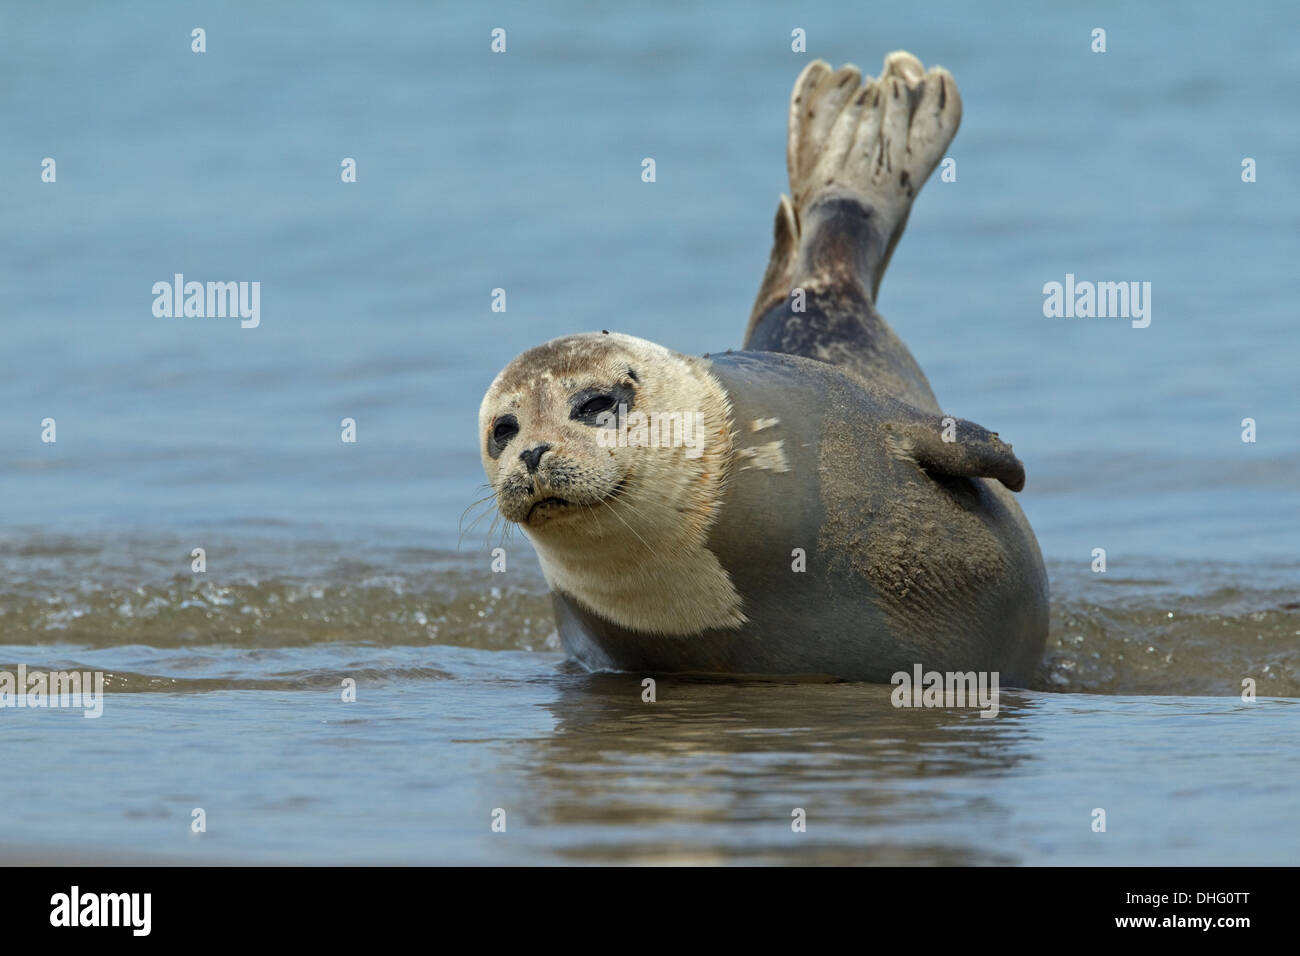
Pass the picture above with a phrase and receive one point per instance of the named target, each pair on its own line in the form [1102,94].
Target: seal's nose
[532,457]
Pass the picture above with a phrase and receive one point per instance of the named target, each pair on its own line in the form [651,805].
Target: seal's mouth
[553,507]
[546,506]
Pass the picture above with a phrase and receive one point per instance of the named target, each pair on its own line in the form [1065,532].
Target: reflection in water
[879,784]
[442,736]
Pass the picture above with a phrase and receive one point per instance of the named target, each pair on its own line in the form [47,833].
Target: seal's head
[571,428]
[611,453]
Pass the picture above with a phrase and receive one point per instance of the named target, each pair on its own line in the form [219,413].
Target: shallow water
[586,772]
[225,693]
[328,561]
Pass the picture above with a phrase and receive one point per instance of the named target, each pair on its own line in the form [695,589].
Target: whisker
[606,503]
[465,529]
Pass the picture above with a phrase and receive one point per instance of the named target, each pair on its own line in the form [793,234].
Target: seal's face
[544,426]
[611,453]
[549,426]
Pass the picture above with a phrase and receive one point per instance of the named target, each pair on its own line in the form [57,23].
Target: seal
[802,507]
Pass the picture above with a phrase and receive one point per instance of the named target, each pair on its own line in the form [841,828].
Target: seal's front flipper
[957,448]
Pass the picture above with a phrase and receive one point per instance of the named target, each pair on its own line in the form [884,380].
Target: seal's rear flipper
[864,151]
[857,156]
[958,448]
[778,280]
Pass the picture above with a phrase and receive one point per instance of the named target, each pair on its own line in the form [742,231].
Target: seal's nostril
[532,457]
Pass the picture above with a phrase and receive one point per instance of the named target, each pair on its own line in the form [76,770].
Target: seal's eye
[594,406]
[506,428]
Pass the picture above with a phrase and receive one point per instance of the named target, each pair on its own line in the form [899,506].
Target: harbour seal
[802,506]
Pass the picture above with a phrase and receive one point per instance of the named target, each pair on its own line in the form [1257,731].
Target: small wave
[86,598]
[128,682]
[1188,631]
[1149,638]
